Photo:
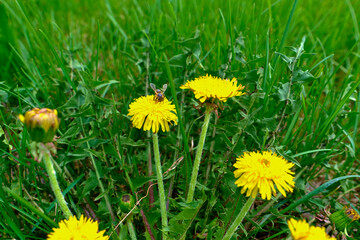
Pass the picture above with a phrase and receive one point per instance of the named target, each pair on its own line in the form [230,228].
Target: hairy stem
[239,218]
[199,150]
[131,229]
[162,195]
[54,183]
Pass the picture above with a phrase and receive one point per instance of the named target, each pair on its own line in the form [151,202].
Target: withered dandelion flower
[301,230]
[149,114]
[352,214]
[344,218]
[72,229]
[259,172]
[207,87]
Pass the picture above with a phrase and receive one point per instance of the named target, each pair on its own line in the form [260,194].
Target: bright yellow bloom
[149,113]
[259,172]
[41,123]
[300,230]
[73,229]
[207,87]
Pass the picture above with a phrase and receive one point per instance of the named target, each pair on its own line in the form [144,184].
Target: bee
[159,94]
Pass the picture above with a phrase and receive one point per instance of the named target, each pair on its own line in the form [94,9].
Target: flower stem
[54,183]
[164,219]
[239,218]
[131,229]
[212,144]
[199,150]
[150,173]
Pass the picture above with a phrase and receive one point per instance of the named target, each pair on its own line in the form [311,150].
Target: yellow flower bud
[41,123]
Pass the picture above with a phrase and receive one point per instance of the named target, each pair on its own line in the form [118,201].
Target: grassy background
[90,59]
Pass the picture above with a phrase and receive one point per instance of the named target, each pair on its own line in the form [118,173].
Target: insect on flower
[159,93]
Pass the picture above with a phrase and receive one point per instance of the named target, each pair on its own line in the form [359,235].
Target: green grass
[91,59]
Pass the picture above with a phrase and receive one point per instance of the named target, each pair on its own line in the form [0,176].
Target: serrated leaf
[139,182]
[74,102]
[268,123]
[285,58]
[302,77]
[129,142]
[186,217]
[190,42]
[178,60]
[111,150]
[283,91]
[3,96]
[75,64]
[252,132]
[252,76]
[93,152]
[88,185]
[226,140]
[197,50]
[70,132]
[106,84]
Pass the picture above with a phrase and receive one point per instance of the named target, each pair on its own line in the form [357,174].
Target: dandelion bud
[126,202]
[41,124]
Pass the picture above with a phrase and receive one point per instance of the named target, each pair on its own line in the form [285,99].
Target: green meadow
[297,60]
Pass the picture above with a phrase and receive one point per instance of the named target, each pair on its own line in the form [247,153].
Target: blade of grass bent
[316,191]
[182,129]
[5,210]
[27,205]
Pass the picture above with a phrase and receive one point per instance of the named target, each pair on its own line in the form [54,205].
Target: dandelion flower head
[259,172]
[301,230]
[41,123]
[73,229]
[207,87]
[148,113]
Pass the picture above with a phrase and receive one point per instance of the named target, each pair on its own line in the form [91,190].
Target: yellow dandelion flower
[259,172]
[41,123]
[73,229]
[207,87]
[149,113]
[301,230]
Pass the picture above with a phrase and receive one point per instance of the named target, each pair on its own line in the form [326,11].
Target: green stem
[211,151]
[159,175]
[150,172]
[131,229]
[54,183]
[199,150]
[239,218]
